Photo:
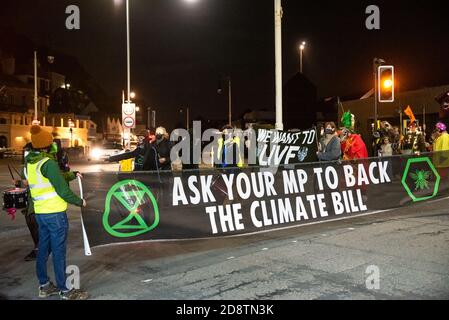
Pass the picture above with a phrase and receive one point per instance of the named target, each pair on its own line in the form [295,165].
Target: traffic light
[386,83]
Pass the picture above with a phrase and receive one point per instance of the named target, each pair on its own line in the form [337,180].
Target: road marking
[230,258]
[147,281]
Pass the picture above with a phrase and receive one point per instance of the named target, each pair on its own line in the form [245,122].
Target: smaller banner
[277,148]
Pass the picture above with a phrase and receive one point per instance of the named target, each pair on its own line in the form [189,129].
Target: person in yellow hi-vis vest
[441,147]
[229,150]
[50,194]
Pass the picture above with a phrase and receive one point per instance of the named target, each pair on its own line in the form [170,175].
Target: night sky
[180,49]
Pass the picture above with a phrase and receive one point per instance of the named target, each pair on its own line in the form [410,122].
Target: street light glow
[302,46]
[132,95]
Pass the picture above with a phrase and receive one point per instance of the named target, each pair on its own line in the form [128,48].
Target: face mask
[329,131]
[159,136]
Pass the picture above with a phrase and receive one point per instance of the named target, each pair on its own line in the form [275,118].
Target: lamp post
[71,126]
[220,91]
[36,99]
[278,62]
[376,63]
[181,111]
[301,52]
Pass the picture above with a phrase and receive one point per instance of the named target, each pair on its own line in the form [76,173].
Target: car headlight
[96,154]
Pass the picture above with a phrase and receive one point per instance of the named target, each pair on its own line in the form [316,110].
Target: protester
[386,149]
[442,142]
[58,154]
[162,146]
[50,194]
[330,144]
[414,141]
[145,156]
[441,150]
[352,145]
[230,150]
[396,140]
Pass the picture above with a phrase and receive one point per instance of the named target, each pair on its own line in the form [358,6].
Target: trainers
[31,256]
[48,290]
[74,295]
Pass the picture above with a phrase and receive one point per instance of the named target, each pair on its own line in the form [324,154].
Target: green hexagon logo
[421,180]
[129,209]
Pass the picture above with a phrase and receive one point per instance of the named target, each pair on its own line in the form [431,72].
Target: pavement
[409,247]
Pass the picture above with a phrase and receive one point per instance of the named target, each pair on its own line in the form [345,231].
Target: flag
[409,113]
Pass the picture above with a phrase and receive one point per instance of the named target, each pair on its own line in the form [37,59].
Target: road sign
[129,123]
[129,115]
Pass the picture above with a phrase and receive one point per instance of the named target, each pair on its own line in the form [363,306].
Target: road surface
[408,246]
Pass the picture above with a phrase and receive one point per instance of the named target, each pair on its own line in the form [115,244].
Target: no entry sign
[129,115]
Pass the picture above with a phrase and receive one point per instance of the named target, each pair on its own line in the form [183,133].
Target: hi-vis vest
[223,159]
[44,195]
[126,165]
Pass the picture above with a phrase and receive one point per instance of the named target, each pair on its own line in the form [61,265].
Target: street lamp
[71,126]
[51,60]
[301,50]
[181,111]
[220,91]
[278,62]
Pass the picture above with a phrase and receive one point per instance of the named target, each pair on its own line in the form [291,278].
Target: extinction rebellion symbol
[129,209]
[421,180]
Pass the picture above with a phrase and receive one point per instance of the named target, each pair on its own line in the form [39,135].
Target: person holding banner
[352,145]
[145,156]
[442,142]
[162,146]
[51,195]
[414,142]
[230,150]
[330,144]
[441,149]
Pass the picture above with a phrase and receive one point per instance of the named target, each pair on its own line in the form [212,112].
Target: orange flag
[409,113]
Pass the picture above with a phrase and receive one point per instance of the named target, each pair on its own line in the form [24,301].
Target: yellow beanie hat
[40,139]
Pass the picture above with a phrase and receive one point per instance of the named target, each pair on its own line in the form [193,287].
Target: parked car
[103,152]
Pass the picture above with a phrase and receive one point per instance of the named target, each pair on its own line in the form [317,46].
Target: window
[3,121]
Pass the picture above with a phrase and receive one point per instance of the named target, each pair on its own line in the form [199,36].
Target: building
[72,130]
[17,108]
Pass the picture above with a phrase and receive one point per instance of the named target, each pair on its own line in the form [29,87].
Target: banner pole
[87,251]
